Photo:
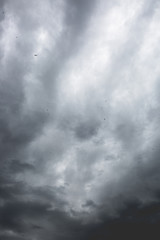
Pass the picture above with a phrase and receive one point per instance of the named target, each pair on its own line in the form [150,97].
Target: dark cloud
[17,166]
[79,120]
[78,15]
[86,130]
[136,221]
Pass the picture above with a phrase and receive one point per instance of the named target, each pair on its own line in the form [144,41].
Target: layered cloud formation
[79,118]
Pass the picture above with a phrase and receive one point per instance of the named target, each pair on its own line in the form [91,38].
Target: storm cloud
[79,119]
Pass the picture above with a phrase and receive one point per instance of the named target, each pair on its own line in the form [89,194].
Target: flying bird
[35,55]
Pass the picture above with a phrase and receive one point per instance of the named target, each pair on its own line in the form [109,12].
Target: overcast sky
[79,119]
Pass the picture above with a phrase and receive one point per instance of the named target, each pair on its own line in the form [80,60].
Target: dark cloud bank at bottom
[32,220]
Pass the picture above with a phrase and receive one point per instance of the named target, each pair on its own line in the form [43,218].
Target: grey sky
[79,116]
